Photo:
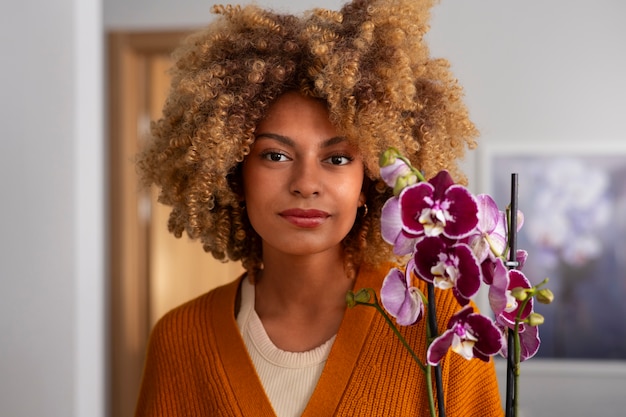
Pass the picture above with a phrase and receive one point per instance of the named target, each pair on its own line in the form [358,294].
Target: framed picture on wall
[574,205]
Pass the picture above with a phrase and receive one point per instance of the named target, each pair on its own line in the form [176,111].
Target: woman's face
[302,182]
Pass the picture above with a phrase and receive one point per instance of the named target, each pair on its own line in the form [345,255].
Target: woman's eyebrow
[280,138]
[290,142]
[333,141]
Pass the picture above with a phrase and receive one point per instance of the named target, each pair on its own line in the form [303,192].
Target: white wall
[151,14]
[51,216]
[544,72]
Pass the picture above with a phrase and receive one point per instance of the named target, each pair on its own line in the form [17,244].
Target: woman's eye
[339,160]
[275,156]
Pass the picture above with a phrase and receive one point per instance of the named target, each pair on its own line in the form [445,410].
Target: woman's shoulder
[195,314]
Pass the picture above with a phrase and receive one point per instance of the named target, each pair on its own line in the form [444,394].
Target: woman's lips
[305,218]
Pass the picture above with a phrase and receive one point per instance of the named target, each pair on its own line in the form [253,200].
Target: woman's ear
[367,183]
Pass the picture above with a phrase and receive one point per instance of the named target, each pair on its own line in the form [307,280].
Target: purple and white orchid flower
[512,310]
[438,207]
[506,307]
[469,334]
[448,266]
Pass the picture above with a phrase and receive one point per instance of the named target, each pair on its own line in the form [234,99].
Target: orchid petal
[489,337]
[390,221]
[468,281]
[529,342]
[499,287]
[499,236]
[401,301]
[426,256]
[480,246]
[508,316]
[441,182]
[391,228]
[487,267]
[463,212]
[413,200]
[438,348]
[521,257]
[488,213]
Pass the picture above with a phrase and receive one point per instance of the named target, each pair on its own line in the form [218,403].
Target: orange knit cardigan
[197,365]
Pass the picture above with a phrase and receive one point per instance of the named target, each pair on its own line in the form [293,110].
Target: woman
[267,152]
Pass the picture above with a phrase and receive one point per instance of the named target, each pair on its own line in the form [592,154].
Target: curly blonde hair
[368,62]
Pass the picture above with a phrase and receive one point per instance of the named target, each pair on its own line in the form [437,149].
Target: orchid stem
[417,173]
[510,375]
[513,347]
[432,333]
[513,361]
[378,308]
[429,386]
[425,368]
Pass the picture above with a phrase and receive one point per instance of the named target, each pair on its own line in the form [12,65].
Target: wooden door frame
[129,324]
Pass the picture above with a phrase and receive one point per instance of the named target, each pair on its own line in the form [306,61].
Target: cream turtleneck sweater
[289,378]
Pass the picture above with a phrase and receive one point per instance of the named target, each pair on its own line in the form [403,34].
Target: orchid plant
[455,241]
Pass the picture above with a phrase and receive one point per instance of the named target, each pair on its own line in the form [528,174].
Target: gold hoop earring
[365,210]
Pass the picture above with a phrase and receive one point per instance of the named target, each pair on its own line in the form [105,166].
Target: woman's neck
[301,300]
[304,279]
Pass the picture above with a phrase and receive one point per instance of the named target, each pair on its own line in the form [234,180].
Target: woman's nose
[306,179]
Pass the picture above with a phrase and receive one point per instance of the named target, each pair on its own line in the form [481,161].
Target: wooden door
[150,270]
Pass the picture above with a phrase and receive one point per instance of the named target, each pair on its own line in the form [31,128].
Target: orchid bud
[393,172]
[535,319]
[362,296]
[545,296]
[403,182]
[388,157]
[519,293]
[350,301]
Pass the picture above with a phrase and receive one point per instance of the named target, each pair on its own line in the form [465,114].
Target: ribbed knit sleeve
[184,374]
